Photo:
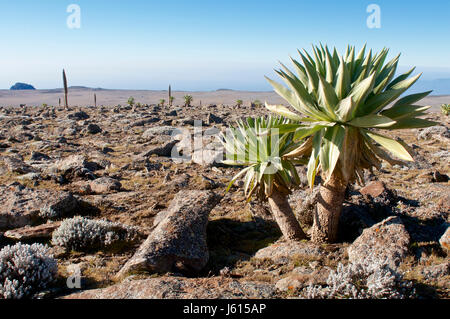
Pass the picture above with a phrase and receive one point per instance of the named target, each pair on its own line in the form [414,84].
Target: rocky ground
[116,164]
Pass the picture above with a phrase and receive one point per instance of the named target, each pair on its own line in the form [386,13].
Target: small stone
[440,178]
[288,250]
[78,116]
[27,233]
[37,156]
[105,185]
[160,150]
[93,129]
[373,189]
[213,119]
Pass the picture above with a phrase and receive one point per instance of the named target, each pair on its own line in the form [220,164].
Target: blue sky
[204,44]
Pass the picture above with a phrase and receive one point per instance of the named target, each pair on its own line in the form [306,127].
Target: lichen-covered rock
[82,234]
[435,272]
[74,166]
[25,270]
[285,251]
[164,149]
[181,288]
[21,206]
[445,240]
[16,165]
[433,132]
[180,237]
[104,185]
[158,131]
[61,205]
[27,233]
[302,277]
[386,241]
[70,163]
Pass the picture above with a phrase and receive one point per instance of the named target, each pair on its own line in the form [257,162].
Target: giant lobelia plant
[343,102]
[258,147]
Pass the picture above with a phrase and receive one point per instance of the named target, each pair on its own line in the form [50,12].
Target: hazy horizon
[205,45]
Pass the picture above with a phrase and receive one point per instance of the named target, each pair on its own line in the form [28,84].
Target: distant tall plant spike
[66,90]
[95,100]
[170,96]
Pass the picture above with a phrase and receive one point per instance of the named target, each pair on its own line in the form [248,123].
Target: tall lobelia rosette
[342,102]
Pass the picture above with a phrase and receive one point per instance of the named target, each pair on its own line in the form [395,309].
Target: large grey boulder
[21,206]
[158,131]
[181,288]
[386,241]
[178,239]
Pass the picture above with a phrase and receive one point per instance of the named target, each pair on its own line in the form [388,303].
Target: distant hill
[22,86]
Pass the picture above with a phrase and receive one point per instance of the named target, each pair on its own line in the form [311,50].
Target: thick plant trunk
[328,211]
[285,217]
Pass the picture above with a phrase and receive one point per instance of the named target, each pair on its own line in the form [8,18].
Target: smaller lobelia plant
[445,109]
[188,100]
[239,103]
[162,102]
[259,149]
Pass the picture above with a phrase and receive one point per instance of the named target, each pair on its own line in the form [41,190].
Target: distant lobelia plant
[131,101]
[162,102]
[188,100]
[445,109]
[258,146]
[342,102]
[171,99]
[239,103]
[170,95]
[257,103]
